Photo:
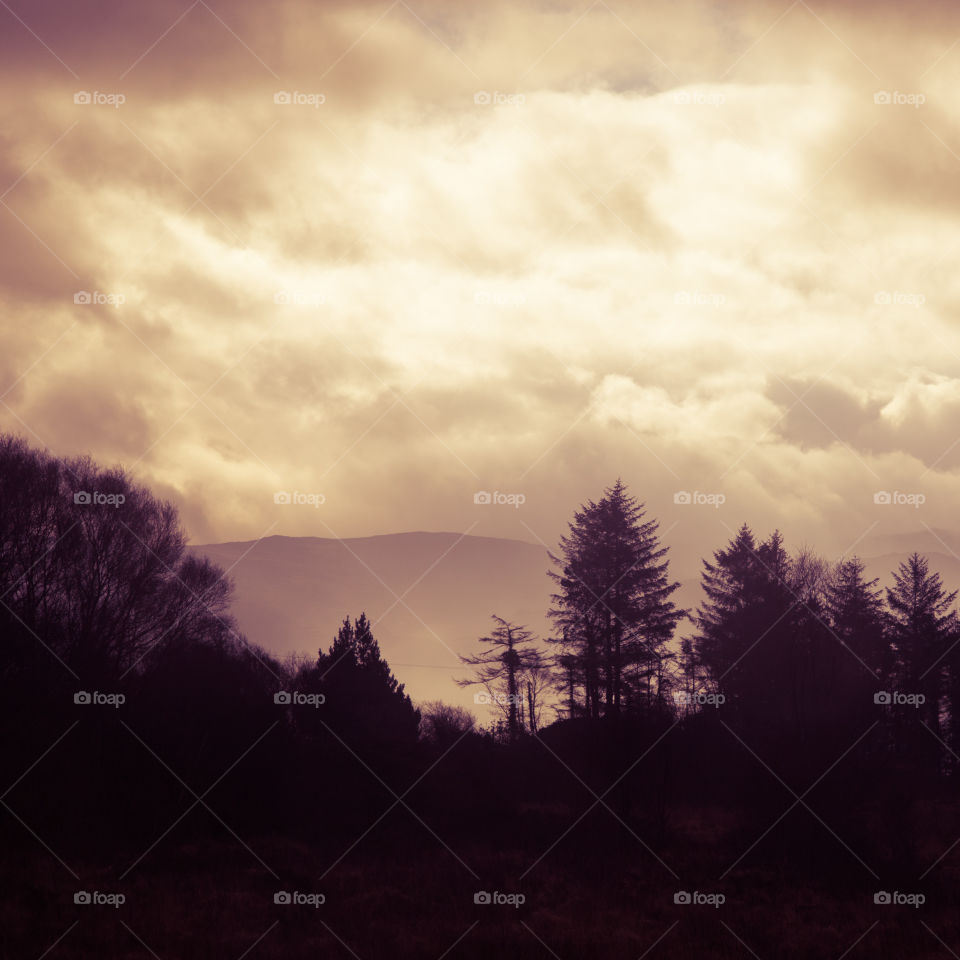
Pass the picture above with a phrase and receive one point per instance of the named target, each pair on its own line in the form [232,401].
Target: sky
[385,256]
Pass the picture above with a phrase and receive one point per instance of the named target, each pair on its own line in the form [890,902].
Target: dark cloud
[919,417]
[818,413]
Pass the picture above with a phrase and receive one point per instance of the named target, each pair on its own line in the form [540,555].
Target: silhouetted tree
[442,724]
[363,697]
[95,568]
[923,628]
[763,637]
[730,620]
[501,667]
[536,680]
[855,610]
[612,607]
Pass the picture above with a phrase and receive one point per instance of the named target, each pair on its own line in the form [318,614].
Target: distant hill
[429,595]
[293,592]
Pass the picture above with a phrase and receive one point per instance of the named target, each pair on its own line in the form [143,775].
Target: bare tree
[501,668]
[97,566]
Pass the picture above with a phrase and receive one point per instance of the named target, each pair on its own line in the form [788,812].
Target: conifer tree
[923,629]
[612,606]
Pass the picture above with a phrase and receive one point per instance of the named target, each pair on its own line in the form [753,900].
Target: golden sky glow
[523,249]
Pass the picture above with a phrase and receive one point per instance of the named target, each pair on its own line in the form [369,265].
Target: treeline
[130,705]
[794,680]
[126,692]
[785,643]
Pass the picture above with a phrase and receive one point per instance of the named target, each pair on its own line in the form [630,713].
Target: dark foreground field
[400,894]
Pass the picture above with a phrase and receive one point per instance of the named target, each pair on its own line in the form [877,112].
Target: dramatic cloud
[400,253]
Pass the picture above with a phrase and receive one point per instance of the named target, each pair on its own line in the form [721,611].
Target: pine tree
[923,628]
[730,583]
[613,604]
[855,611]
[751,626]
[361,688]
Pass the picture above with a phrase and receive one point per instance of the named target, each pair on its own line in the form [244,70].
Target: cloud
[917,417]
[512,249]
[819,414]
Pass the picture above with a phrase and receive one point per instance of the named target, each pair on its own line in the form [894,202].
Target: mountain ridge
[430,594]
